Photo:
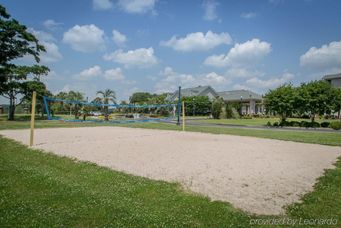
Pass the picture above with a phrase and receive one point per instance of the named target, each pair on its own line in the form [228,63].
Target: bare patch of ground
[257,175]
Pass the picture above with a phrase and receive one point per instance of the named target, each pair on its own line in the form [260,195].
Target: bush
[284,123]
[325,124]
[276,124]
[305,124]
[268,124]
[216,109]
[315,124]
[294,123]
[335,125]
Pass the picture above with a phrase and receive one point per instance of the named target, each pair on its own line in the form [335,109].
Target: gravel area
[256,175]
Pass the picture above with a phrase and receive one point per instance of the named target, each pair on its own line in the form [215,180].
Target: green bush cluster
[336,125]
[306,124]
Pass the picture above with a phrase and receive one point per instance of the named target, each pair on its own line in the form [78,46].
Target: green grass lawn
[326,138]
[44,190]
[255,121]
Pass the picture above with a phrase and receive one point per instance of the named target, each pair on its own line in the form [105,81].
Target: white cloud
[142,57]
[324,58]
[247,53]
[118,38]
[210,10]
[85,38]
[248,15]
[269,83]
[102,4]
[198,41]
[170,80]
[51,24]
[137,6]
[214,79]
[114,74]
[90,73]
[243,73]
[52,53]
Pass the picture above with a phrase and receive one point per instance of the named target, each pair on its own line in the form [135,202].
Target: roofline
[331,76]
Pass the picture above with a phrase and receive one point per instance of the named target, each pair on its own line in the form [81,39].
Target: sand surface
[256,175]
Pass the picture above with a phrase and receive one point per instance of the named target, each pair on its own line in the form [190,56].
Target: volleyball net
[82,111]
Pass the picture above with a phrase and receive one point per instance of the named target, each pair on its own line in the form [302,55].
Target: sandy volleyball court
[257,175]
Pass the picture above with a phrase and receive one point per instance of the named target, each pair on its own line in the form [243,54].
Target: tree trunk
[11,110]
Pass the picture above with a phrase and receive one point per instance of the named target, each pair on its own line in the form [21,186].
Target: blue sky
[157,45]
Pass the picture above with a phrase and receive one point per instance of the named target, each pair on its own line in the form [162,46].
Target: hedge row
[334,125]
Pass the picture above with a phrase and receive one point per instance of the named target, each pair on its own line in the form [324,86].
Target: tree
[107,96]
[40,88]
[217,106]
[197,105]
[140,97]
[337,101]
[281,101]
[16,42]
[315,98]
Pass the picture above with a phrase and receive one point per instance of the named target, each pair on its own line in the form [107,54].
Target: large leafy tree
[315,98]
[107,96]
[197,105]
[140,97]
[281,101]
[16,42]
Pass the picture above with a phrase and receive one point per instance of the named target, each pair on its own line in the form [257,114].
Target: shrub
[276,124]
[336,125]
[315,124]
[268,124]
[305,124]
[294,123]
[284,123]
[216,109]
[325,124]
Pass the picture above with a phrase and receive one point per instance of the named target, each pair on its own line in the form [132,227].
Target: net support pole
[179,106]
[33,113]
[183,116]
[47,108]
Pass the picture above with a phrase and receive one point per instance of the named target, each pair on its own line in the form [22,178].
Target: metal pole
[33,113]
[179,106]
[183,116]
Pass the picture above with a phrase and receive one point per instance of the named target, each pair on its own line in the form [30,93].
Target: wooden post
[183,116]
[33,113]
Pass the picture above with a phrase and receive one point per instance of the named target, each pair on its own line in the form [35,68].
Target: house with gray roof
[333,79]
[196,91]
[251,102]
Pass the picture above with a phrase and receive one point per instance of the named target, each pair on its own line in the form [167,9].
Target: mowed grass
[44,190]
[256,121]
[39,189]
[325,138]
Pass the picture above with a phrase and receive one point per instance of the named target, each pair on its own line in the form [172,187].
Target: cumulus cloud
[51,24]
[52,53]
[102,4]
[271,83]
[114,74]
[137,6]
[142,57]
[242,54]
[210,10]
[198,41]
[85,38]
[248,15]
[242,73]
[89,73]
[324,58]
[170,80]
[118,38]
